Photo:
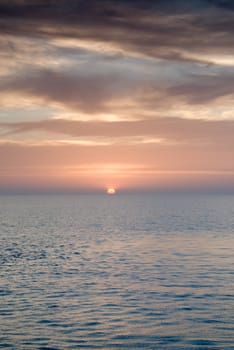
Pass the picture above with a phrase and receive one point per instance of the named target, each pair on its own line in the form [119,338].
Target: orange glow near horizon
[104,176]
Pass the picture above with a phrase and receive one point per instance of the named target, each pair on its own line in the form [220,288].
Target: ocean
[117,272]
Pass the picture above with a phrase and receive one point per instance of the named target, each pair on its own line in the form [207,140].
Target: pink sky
[114,94]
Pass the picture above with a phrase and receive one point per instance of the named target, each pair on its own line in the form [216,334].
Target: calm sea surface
[117,272]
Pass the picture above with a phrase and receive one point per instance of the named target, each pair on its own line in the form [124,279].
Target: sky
[135,95]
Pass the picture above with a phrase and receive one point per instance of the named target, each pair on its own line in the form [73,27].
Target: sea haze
[117,272]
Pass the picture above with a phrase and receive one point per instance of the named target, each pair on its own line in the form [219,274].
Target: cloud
[204,89]
[173,30]
[82,91]
[177,157]
[199,133]
[128,94]
[226,4]
[97,57]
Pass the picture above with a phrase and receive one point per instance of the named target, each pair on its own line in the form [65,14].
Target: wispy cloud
[200,132]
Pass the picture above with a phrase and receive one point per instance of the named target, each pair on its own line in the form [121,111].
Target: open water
[117,272]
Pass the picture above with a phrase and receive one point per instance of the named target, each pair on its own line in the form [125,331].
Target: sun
[111,190]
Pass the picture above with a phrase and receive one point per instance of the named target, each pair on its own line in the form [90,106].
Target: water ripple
[139,273]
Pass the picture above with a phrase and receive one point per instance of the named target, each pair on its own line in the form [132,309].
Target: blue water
[117,272]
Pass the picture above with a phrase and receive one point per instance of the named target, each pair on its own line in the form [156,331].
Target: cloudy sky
[138,95]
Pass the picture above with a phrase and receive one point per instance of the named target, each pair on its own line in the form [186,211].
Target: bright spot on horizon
[111,190]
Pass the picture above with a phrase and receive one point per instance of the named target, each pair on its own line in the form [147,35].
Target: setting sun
[111,190]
